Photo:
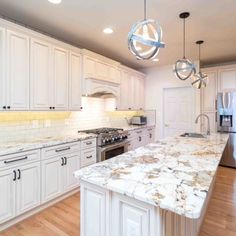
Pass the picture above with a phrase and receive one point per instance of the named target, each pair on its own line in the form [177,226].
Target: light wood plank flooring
[62,219]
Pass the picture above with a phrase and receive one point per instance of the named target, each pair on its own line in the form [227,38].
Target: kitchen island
[161,189]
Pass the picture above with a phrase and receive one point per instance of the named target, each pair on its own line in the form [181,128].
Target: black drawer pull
[14,178]
[63,149]
[150,135]
[62,161]
[88,157]
[89,143]
[139,139]
[139,132]
[19,176]
[20,159]
[65,158]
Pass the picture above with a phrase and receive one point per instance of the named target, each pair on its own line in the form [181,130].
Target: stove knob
[112,139]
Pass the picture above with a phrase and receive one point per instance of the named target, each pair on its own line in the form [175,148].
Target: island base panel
[106,213]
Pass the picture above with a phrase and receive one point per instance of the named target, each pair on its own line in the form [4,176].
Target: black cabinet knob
[4,107]
[53,108]
[81,108]
[8,107]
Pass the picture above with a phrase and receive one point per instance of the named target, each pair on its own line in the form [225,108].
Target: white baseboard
[36,210]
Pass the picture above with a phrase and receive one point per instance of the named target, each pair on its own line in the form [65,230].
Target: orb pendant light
[184,68]
[144,39]
[200,80]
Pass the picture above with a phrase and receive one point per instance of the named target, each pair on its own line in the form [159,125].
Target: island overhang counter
[161,189]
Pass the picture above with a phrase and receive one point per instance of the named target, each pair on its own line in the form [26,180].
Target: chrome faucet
[208,122]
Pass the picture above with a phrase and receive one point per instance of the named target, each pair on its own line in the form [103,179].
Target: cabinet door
[28,187]
[51,178]
[75,82]
[227,79]
[89,67]
[114,75]
[138,93]
[102,71]
[130,217]
[17,71]
[60,78]
[41,76]
[150,136]
[72,165]
[2,68]
[208,94]
[7,195]
[126,92]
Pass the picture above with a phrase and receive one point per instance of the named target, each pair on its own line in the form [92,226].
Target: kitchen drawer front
[88,157]
[60,150]
[131,134]
[88,143]
[12,160]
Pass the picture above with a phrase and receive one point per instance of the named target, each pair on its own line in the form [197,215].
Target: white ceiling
[81,22]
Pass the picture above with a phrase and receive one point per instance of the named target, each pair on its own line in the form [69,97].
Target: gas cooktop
[101,130]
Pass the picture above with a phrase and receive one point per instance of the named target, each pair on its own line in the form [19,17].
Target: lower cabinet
[57,175]
[20,190]
[140,137]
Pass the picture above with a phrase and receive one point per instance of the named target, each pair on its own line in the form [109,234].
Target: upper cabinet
[100,68]
[132,89]
[75,85]
[60,78]
[14,53]
[55,77]
[41,75]
[208,94]
[227,79]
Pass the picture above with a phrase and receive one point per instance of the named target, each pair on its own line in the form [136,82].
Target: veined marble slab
[174,174]
[27,145]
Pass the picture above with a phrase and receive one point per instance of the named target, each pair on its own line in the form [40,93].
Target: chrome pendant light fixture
[184,68]
[144,39]
[200,79]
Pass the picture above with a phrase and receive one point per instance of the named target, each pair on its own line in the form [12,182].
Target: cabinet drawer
[60,150]
[88,157]
[19,158]
[88,143]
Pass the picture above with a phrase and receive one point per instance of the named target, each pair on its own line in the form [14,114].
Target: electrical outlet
[47,123]
[35,124]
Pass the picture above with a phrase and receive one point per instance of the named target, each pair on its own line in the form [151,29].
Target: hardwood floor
[62,219]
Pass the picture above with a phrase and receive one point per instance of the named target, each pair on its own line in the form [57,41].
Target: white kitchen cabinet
[129,218]
[75,83]
[14,75]
[150,135]
[95,68]
[60,78]
[139,98]
[17,71]
[2,68]
[41,75]
[28,187]
[227,79]
[7,195]
[208,94]
[72,164]
[51,178]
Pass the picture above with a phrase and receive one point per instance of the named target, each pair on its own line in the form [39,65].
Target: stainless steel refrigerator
[226,122]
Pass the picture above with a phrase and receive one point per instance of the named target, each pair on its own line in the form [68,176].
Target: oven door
[112,150]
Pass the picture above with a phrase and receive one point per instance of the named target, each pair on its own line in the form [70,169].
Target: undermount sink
[192,135]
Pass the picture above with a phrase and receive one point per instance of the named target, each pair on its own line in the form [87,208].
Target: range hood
[102,89]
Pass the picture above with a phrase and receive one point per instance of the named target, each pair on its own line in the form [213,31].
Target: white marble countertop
[174,174]
[27,145]
[135,127]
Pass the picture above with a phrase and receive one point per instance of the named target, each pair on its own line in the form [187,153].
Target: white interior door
[178,110]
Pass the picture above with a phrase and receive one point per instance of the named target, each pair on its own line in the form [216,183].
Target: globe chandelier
[184,68]
[200,80]
[145,38]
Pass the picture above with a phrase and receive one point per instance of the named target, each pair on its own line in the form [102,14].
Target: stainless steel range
[111,142]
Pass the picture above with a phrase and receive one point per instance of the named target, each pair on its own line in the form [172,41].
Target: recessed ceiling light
[55,1]
[108,31]
[155,59]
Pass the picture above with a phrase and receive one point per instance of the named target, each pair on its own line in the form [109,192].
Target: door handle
[14,178]
[19,174]
[140,139]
